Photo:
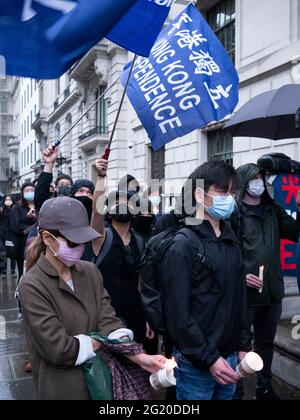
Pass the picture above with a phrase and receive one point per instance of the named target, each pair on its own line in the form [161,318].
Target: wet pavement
[16,384]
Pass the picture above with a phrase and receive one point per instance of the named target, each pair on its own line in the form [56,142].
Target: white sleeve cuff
[85,349]
[120,333]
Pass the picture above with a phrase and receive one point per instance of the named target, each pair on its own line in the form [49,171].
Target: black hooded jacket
[260,236]
[206,315]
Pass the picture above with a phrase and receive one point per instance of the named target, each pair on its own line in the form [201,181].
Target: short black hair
[216,172]
[63,176]
[22,201]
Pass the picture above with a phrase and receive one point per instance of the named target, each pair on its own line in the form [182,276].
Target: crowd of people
[78,250]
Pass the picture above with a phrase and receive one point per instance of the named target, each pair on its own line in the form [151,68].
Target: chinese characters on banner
[187,82]
[286,187]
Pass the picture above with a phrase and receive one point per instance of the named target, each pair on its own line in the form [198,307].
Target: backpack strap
[200,257]
[105,247]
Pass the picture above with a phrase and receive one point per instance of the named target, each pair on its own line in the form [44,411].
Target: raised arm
[97,222]
[42,192]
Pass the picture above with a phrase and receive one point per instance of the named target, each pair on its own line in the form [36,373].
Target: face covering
[222,207]
[143,224]
[64,190]
[122,214]
[88,204]
[155,200]
[29,196]
[256,188]
[8,203]
[65,254]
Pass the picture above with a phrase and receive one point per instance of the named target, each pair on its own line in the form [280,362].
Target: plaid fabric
[130,382]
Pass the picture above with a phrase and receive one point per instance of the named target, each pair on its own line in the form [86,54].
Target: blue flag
[137,30]
[42,39]
[187,82]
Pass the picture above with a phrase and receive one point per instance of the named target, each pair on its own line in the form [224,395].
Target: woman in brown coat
[63,300]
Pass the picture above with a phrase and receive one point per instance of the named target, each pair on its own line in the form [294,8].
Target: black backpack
[277,163]
[151,292]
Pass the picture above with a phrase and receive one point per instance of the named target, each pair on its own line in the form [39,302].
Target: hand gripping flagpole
[107,150]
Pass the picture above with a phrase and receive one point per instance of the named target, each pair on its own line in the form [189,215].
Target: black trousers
[21,256]
[264,320]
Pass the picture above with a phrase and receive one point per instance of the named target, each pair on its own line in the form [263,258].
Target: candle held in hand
[261,277]
[164,378]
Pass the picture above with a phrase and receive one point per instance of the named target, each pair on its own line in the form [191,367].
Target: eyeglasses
[225,193]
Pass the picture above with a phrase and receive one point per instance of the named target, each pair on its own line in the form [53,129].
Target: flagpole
[107,150]
[57,143]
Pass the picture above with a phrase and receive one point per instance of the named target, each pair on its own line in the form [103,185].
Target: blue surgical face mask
[29,196]
[222,208]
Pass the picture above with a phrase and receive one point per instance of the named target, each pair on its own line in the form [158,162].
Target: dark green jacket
[260,239]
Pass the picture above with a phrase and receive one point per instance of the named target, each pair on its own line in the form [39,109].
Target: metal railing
[100,130]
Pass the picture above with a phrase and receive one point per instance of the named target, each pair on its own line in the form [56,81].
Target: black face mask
[64,190]
[144,225]
[88,204]
[122,214]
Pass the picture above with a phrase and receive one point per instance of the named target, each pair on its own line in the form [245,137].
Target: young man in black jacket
[260,223]
[206,308]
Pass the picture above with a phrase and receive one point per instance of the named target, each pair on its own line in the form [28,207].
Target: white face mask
[155,200]
[256,188]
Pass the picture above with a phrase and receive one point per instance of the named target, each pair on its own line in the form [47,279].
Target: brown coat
[53,315]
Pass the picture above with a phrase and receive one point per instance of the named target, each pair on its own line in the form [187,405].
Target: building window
[221,18]
[57,132]
[31,87]
[30,117]
[31,154]
[27,155]
[35,156]
[28,124]
[220,146]
[158,164]
[68,140]
[101,112]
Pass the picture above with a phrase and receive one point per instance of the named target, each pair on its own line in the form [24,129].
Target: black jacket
[206,316]
[260,236]
[4,222]
[19,221]
[42,190]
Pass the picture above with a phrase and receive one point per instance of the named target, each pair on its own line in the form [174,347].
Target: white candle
[251,364]
[261,277]
[164,378]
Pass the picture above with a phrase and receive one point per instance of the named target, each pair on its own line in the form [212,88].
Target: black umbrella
[271,115]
